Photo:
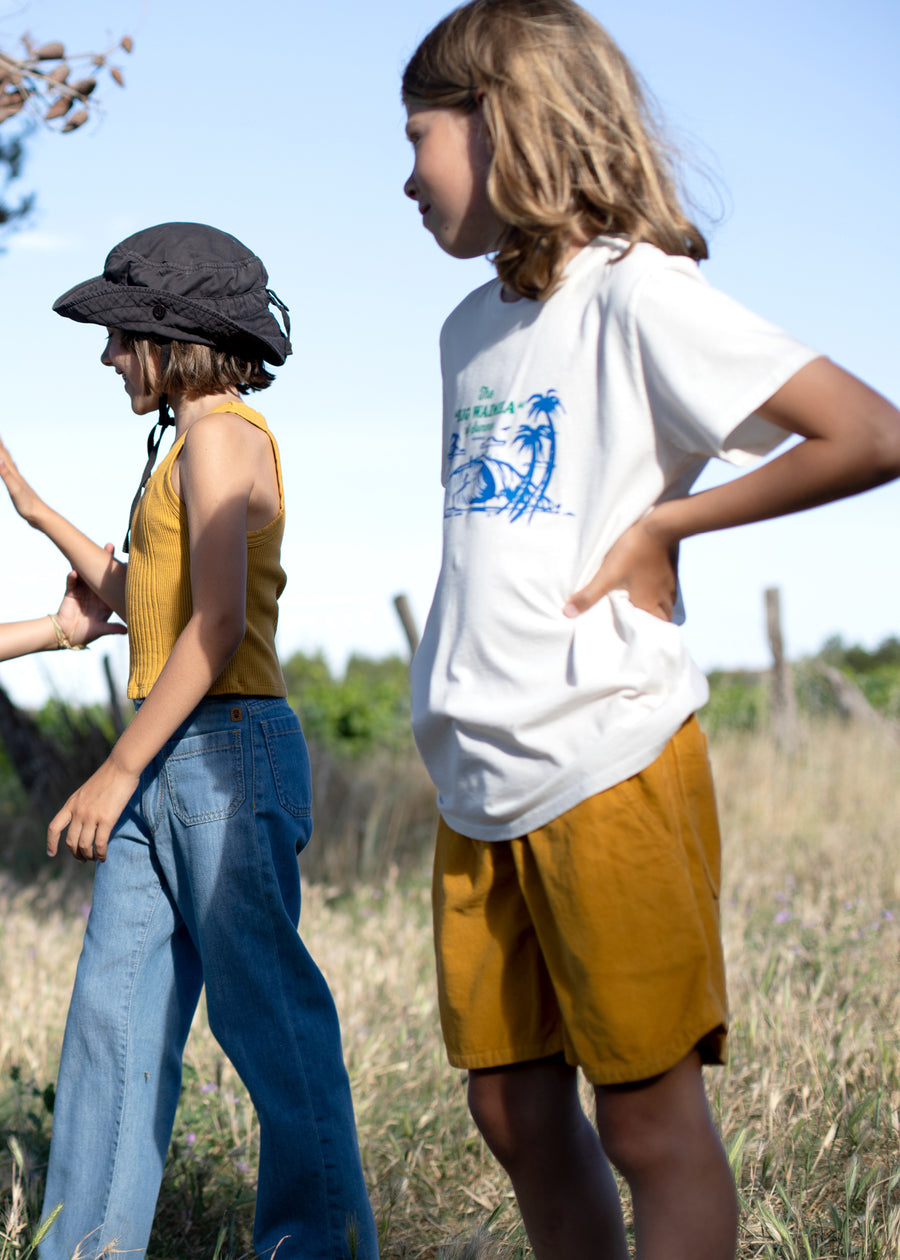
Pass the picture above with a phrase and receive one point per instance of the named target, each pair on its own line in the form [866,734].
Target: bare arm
[217,473]
[97,566]
[852,443]
[81,616]
[20,638]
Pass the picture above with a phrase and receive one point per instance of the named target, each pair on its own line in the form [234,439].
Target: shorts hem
[507,1057]
[711,1045]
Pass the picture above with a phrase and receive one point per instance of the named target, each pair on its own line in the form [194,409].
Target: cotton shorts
[596,936]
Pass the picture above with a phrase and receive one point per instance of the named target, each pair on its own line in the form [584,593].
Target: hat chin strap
[154,437]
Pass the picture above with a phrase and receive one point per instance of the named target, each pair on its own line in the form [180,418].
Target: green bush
[876,673]
[858,659]
[738,701]
[69,726]
[365,711]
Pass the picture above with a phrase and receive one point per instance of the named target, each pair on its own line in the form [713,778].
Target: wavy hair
[576,150]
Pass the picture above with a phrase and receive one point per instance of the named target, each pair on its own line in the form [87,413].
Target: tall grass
[809,1104]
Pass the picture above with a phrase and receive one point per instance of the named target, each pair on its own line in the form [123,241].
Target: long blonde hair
[576,151]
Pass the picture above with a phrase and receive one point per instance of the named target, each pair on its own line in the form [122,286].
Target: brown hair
[576,151]
[194,370]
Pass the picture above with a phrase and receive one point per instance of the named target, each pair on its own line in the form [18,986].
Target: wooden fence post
[408,621]
[115,710]
[784,704]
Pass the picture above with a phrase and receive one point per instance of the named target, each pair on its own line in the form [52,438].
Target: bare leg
[660,1135]
[532,1120]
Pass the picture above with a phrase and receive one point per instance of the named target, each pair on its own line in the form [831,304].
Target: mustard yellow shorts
[596,936]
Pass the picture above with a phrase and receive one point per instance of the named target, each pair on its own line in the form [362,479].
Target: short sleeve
[708,363]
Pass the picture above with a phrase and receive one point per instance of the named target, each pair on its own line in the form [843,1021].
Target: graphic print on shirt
[497,467]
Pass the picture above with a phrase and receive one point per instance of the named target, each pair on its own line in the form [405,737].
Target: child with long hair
[198,814]
[577,867]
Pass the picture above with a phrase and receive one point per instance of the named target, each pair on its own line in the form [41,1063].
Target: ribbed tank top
[158,585]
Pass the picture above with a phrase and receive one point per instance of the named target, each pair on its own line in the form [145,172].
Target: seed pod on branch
[59,108]
[77,120]
[49,52]
[34,75]
[10,104]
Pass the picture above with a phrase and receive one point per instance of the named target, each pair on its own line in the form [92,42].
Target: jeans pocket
[289,759]
[205,777]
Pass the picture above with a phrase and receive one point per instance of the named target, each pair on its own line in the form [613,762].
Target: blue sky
[285,128]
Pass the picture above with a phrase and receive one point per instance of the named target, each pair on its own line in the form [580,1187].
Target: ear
[481,115]
[161,356]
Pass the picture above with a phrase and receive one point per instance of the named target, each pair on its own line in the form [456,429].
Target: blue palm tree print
[483,481]
[532,438]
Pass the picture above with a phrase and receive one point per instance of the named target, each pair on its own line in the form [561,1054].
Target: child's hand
[24,499]
[82,615]
[91,813]
[644,563]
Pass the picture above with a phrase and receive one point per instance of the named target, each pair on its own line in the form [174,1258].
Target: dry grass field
[809,1105]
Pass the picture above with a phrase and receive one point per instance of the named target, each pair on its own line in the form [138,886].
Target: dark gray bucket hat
[185,282]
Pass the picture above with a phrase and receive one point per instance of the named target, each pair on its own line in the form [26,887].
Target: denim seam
[328,1165]
[123,1063]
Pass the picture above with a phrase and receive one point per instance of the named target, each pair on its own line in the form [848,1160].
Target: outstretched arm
[20,638]
[852,443]
[218,468]
[81,618]
[96,565]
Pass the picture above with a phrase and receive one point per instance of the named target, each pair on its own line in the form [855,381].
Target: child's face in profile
[118,354]
[452,154]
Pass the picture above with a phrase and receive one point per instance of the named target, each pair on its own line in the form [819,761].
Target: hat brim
[173,317]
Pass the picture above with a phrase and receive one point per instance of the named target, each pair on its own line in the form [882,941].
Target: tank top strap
[241,409]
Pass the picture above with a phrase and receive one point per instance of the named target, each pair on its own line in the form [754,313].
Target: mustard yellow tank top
[158,585]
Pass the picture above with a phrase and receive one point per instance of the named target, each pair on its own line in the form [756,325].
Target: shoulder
[221,448]
[620,277]
[475,305]
[227,428]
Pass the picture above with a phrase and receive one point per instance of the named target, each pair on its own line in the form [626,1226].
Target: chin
[463,249]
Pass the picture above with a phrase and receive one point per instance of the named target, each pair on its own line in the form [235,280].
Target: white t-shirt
[565,421]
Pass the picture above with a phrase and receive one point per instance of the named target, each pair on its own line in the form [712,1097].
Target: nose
[410,186]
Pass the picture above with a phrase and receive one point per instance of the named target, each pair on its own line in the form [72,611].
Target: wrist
[662,523]
[62,639]
[120,760]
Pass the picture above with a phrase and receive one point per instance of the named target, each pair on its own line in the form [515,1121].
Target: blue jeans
[201,886]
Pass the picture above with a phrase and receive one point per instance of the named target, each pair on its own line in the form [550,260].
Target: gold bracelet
[62,640]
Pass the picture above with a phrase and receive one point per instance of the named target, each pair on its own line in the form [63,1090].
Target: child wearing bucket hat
[197,816]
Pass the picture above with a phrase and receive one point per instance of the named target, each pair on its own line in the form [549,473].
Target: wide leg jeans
[201,886]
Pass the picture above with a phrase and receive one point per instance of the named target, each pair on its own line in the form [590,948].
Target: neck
[188,411]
